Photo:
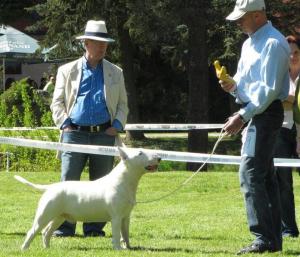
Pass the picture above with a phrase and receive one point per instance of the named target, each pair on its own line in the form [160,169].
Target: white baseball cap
[244,6]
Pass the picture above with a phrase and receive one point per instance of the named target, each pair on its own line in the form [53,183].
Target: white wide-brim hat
[244,6]
[96,30]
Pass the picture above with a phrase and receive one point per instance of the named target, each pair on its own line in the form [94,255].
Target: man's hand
[68,128]
[234,124]
[111,131]
[227,86]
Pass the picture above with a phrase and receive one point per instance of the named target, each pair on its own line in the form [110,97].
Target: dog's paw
[125,245]
[24,247]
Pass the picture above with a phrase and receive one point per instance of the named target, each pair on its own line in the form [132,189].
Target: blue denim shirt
[90,106]
[262,75]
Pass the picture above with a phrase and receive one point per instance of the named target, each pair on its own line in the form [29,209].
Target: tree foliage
[10,9]
[158,36]
[164,46]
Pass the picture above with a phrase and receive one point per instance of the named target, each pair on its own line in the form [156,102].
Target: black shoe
[257,248]
[95,234]
[290,235]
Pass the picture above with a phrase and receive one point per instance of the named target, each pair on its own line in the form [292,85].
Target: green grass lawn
[205,218]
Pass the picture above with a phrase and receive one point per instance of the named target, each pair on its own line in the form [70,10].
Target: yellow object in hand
[221,73]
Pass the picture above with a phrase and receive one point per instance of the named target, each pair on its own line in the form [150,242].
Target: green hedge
[23,106]
[26,158]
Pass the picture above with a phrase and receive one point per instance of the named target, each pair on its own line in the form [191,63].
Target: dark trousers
[286,148]
[257,177]
[72,165]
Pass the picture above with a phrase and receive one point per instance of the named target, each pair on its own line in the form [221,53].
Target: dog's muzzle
[154,166]
[151,167]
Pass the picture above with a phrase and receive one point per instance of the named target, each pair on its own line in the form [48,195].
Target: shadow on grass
[24,234]
[173,249]
[167,249]
[13,233]
[189,238]
[292,253]
[85,249]
[146,249]
[186,250]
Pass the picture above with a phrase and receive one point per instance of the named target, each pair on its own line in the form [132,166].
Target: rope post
[7,161]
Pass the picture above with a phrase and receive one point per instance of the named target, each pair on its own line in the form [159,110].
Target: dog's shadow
[173,249]
[168,249]
[24,234]
[142,248]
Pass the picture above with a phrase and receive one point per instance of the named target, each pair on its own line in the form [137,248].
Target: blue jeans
[258,179]
[72,165]
[286,148]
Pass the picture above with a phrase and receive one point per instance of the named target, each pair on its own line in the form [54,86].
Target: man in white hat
[261,83]
[90,107]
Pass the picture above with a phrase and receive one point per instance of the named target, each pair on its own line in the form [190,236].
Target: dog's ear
[123,154]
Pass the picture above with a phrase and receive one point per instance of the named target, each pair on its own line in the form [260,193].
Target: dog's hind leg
[125,232]
[116,232]
[36,228]
[42,217]
[48,231]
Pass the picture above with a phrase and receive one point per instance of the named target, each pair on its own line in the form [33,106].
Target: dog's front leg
[125,232]
[116,232]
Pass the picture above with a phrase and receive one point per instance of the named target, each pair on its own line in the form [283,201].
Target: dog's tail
[26,182]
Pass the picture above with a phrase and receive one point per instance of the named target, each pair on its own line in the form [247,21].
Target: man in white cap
[261,83]
[90,107]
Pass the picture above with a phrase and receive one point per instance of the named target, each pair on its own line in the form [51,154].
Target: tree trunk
[198,71]
[126,59]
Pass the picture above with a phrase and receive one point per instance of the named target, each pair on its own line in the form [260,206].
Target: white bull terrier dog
[110,198]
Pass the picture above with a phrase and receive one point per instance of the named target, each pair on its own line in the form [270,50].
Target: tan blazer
[67,85]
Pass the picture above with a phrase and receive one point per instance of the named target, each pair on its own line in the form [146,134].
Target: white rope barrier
[164,155]
[146,127]
[91,149]
[26,128]
[172,127]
